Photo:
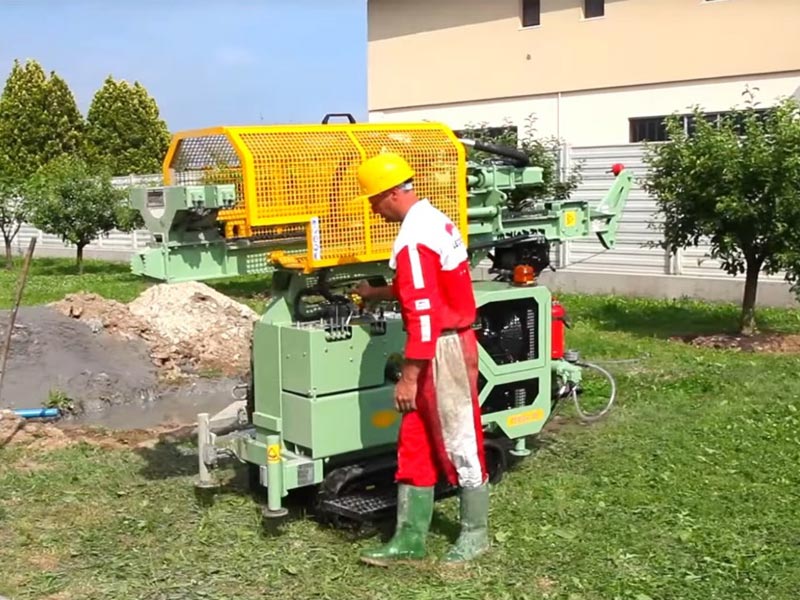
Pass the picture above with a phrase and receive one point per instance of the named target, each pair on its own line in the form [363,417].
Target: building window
[647,129]
[653,129]
[531,13]
[593,8]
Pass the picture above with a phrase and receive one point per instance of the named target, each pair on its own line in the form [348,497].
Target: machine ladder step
[373,504]
[362,506]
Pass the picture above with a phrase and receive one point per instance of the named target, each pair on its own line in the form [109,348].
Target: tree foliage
[14,210]
[39,121]
[76,202]
[734,184]
[50,155]
[542,151]
[125,133]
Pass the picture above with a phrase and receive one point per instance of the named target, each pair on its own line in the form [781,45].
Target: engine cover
[507,330]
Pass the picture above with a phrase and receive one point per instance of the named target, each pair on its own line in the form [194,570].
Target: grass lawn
[688,490]
[50,279]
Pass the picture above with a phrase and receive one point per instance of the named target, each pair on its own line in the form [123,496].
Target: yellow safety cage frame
[304,177]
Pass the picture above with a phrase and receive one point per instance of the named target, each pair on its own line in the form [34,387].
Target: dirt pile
[15,430]
[764,342]
[212,330]
[188,327]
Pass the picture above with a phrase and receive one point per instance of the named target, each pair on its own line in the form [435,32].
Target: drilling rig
[284,201]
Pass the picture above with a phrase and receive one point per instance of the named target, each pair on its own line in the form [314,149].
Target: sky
[205,62]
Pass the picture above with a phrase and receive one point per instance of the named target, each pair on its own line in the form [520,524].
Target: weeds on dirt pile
[687,490]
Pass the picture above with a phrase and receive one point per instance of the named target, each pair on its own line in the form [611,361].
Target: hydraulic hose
[321,289]
[519,158]
[611,399]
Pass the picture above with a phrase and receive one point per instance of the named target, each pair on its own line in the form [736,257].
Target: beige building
[593,72]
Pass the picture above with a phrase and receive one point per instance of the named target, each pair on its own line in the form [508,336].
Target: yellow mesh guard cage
[304,176]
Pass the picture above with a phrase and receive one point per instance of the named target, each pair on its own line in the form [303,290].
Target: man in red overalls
[440,433]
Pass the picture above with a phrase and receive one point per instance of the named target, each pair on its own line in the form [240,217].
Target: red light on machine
[523,274]
[617,168]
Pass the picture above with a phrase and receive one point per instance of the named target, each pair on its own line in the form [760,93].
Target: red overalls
[433,284]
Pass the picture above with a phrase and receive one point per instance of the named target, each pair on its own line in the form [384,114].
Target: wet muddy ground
[177,404]
[97,378]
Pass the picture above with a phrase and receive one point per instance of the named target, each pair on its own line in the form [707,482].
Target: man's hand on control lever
[370,293]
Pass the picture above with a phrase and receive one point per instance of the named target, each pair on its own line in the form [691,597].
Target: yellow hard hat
[383,172]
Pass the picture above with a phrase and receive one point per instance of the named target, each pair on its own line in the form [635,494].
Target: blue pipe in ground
[37,413]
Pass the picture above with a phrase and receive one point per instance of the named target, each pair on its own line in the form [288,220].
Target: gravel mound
[188,327]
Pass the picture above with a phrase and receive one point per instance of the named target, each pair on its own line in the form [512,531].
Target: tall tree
[62,119]
[75,201]
[125,132]
[39,121]
[733,183]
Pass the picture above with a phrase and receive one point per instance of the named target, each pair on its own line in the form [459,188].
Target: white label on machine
[316,244]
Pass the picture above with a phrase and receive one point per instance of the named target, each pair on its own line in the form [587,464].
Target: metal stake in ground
[20,288]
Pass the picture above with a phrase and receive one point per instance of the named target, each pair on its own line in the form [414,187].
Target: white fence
[117,245]
[583,265]
[631,254]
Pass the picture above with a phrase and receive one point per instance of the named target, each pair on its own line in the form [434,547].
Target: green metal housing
[321,391]
[186,242]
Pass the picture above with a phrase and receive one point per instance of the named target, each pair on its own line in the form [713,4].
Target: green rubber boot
[474,537]
[414,514]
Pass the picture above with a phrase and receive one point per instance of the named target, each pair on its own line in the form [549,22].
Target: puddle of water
[178,406]
[111,381]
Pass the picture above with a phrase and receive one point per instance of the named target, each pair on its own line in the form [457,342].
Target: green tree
[76,201]
[125,132]
[542,151]
[13,213]
[39,121]
[63,121]
[733,183]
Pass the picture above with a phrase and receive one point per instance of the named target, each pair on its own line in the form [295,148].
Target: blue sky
[205,62]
